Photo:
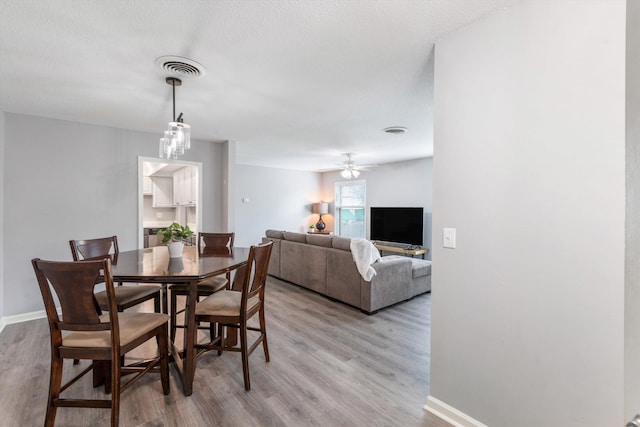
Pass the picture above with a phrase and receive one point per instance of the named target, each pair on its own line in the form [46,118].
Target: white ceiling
[295,83]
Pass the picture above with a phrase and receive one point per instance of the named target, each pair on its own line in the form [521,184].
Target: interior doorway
[168,191]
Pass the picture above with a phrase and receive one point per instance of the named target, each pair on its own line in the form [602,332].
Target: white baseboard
[450,414]
[18,318]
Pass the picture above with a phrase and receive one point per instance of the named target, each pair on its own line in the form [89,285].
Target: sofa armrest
[391,284]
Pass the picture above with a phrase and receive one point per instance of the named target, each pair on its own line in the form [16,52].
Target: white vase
[175,249]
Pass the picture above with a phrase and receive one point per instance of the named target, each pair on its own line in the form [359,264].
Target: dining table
[153,265]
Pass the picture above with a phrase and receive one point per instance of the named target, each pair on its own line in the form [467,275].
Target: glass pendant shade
[177,137]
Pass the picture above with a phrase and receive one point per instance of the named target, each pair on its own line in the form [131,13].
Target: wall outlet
[449,238]
[245,200]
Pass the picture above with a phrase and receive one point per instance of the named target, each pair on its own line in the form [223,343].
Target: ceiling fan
[350,169]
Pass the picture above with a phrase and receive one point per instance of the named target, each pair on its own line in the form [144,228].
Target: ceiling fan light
[345,173]
[355,173]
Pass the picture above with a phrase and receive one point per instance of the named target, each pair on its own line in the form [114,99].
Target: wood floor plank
[331,365]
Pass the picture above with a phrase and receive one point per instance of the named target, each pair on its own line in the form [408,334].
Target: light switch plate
[449,238]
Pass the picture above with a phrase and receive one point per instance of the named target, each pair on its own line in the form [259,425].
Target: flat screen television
[399,225]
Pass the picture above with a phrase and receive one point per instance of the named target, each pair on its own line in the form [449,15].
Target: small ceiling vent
[183,67]
[396,130]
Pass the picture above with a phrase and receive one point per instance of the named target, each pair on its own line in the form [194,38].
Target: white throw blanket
[364,254]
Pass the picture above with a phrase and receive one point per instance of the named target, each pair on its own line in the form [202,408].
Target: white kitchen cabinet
[184,186]
[162,192]
[147,186]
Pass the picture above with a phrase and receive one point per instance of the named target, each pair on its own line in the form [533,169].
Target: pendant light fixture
[177,137]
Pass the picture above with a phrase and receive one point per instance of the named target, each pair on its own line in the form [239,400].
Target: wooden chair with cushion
[126,296]
[234,307]
[217,244]
[83,332]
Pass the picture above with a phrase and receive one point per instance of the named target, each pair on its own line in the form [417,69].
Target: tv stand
[401,248]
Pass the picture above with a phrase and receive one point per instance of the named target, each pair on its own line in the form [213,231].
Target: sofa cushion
[343,279]
[274,234]
[304,265]
[343,243]
[295,237]
[319,240]
[420,267]
[274,260]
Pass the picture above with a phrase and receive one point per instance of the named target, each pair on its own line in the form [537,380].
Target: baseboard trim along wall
[18,318]
[450,414]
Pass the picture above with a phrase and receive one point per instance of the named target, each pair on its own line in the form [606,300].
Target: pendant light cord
[173,85]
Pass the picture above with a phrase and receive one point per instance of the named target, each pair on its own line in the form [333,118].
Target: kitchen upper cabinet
[147,186]
[162,192]
[185,186]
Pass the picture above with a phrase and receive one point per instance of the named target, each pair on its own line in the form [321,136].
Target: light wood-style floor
[331,365]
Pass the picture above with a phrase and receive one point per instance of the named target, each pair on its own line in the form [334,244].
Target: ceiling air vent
[183,67]
[396,130]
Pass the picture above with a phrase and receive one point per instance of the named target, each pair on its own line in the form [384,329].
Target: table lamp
[320,209]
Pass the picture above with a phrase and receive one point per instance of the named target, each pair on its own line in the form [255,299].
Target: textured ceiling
[295,83]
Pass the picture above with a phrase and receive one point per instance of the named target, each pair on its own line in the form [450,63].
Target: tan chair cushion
[210,285]
[127,293]
[224,303]
[132,325]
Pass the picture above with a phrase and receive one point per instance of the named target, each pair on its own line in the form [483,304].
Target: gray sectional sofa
[325,265]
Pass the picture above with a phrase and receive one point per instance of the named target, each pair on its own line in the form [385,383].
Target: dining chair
[220,244]
[83,332]
[234,307]
[126,296]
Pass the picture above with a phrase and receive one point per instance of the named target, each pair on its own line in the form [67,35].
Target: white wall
[632,273]
[528,311]
[400,184]
[2,239]
[278,199]
[68,180]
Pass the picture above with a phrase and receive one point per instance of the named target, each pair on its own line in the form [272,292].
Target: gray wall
[2,239]
[282,199]
[632,271]
[278,199]
[528,311]
[68,180]
[397,184]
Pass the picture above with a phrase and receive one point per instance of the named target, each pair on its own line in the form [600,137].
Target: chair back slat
[94,248]
[215,240]
[74,287]
[73,284]
[255,272]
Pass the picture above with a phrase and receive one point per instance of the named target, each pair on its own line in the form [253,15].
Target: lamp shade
[320,208]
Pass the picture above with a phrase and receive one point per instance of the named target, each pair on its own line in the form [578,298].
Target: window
[350,205]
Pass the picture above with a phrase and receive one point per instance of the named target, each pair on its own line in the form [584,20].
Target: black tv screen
[399,225]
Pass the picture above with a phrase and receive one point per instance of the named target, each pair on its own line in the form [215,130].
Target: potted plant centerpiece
[173,235]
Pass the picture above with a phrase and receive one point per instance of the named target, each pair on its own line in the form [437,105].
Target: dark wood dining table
[153,265]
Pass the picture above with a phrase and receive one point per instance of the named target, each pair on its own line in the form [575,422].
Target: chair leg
[163,348]
[55,380]
[173,315]
[101,375]
[245,355]
[223,341]
[107,371]
[156,304]
[263,331]
[115,392]
[212,331]
[164,297]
